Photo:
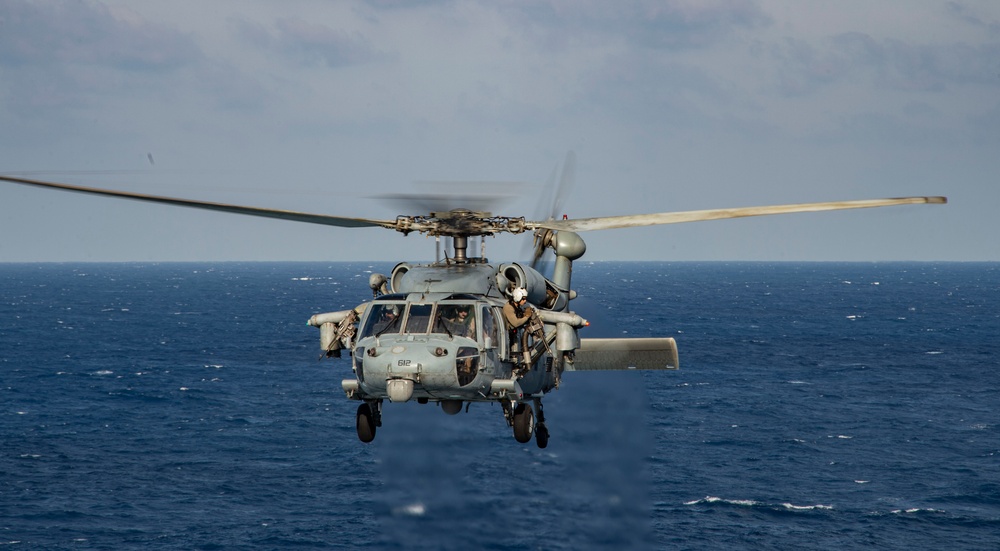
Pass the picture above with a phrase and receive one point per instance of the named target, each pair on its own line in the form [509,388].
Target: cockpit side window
[383,318]
[489,327]
[467,364]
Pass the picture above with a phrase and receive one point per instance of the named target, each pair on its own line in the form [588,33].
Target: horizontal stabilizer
[609,354]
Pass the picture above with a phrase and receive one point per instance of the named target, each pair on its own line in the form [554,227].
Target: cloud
[927,67]
[310,43]
[966,14]
[68,57]
[57,33]
[657,24]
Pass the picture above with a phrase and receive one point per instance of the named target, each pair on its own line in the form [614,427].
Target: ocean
[818,406]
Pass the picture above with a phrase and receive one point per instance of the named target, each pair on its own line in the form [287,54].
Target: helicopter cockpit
[459,330]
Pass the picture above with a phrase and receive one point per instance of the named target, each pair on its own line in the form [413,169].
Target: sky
[671,105]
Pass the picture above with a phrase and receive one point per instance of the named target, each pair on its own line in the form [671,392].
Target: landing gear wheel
[524,423]
[541,435]
[366,423]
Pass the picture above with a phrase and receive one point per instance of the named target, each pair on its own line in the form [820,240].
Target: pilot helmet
[520,294]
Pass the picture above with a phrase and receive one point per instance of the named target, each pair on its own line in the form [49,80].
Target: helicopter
[439,333]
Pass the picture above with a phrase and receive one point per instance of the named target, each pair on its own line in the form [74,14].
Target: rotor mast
[461,245]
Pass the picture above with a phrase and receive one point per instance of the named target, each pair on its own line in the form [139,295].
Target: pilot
[464,323]
[515,313]
[389,316]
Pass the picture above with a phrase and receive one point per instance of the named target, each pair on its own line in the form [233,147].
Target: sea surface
[818,406]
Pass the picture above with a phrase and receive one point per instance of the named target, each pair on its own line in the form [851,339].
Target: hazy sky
[669,105]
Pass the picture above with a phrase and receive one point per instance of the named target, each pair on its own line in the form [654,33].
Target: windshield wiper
[388,326]
[440,321]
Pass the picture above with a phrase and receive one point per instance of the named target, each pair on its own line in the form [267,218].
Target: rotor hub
[460,223]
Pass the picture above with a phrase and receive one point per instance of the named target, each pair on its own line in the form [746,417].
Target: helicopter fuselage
[438,335]
[433,345]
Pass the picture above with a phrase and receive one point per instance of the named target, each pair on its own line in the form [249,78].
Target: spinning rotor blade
[446,195]
[221,207]
[558,198]
[566,180]
[636,220]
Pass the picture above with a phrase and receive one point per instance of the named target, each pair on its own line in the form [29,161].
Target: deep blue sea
[818,406]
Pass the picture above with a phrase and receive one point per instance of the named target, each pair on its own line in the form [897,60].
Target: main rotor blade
[444,195]
[636,220]
[566,180]
[221,207]
[557,196]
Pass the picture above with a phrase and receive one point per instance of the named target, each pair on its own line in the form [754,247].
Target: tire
[524,423]
[541,435]
[365,423]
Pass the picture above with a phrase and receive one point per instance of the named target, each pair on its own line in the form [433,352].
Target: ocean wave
[712,500]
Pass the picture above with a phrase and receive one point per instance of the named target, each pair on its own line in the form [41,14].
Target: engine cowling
[396,277]
[528,279]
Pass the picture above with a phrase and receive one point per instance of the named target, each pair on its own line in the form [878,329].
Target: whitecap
[915,510]
[754,503]
[713,499]
[805,507]
[413,510]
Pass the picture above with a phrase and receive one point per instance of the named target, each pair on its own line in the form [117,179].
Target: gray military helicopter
[437,332]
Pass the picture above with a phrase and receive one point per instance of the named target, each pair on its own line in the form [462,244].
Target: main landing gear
[522,418]
[369,418]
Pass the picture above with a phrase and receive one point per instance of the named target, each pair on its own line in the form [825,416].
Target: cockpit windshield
[452,318]
[457,319]
[418,318]
[383,318]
